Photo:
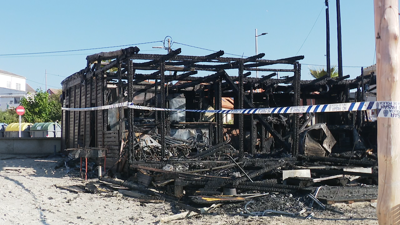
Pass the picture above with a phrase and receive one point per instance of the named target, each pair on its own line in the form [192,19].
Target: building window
[18,86]
[8,84]
[17,100]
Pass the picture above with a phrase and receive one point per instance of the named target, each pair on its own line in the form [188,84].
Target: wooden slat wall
[64,121]
[99,118]
[93,103]
[111,142]
[76,124]
[82,114]
[71,118]
[105,112]
[87,113]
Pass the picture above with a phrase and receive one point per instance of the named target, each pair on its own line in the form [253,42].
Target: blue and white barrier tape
[116,105]
[385,109]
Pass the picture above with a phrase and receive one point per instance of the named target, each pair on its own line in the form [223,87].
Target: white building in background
[12,88]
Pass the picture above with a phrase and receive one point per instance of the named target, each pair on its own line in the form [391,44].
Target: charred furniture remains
[201,154]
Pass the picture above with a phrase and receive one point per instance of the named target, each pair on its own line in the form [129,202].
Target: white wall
[10,98]
[12,89]
[12,82]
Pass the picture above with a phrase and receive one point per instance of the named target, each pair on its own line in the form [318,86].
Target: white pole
[19,126]
[45,71]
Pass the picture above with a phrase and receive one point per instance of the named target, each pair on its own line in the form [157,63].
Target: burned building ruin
[162,142]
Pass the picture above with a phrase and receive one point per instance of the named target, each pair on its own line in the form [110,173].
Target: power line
[62,55]
[206,49]
[246,56]
[41,83]
[30,56]
[75,50]
[56,75]
[310,30]
[325,65]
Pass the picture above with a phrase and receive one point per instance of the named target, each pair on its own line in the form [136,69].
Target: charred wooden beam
[267,77]
[194,59]
[131,112]
[163,105]
[230,65]
[269,70]
[218,106]
[215,55]
[274,133]
[241,118]
[261,186]
[253,127]
[341,78]
[339,161]
[153,76]
[292,59]
[160,60]
[262,171]
[226,85]
[296,102]
[113,54]
[203,80]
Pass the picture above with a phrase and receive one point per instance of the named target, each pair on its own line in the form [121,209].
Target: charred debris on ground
[202,159]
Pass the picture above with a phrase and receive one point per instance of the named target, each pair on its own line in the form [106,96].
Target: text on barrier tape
[385,109]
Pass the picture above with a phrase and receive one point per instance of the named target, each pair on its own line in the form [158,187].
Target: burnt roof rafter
[155,76]
[173,61]
[159,60]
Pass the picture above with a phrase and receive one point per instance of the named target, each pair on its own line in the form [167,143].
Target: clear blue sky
[294,27]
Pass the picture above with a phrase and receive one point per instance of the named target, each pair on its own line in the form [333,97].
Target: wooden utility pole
[388,89]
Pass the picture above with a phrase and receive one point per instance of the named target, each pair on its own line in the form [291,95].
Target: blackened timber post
[296,102]
[263,140]
[120,99]
[240,105]
[80,115]
[157,104]
[362,85]
[263,132]
[218,106]
[162,122]
[358,121]
[74,143]
[104,113]
[131,115]
[83,119]
[63,119]
[362,113]
[252,126]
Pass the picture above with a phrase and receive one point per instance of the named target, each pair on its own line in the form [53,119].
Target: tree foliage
[55,107]
[318,73]
[41,108]
[8,116]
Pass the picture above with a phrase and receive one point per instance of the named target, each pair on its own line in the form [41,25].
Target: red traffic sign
[20,110]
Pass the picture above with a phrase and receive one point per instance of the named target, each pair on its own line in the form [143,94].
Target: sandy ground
[29,195]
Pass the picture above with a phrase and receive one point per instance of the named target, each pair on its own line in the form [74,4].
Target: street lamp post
[256,36]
